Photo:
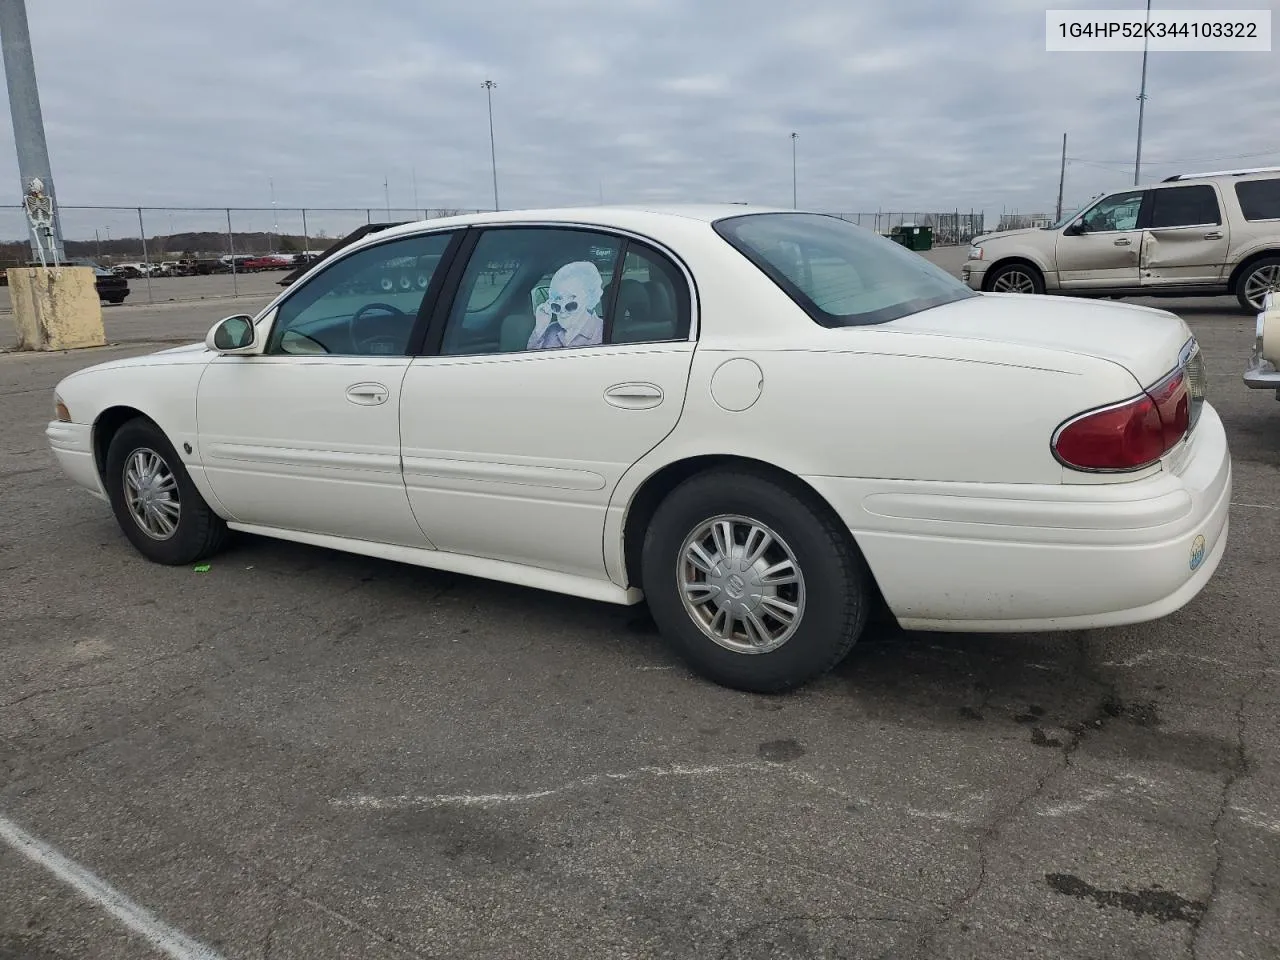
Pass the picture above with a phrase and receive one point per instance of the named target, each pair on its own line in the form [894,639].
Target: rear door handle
[1213,235]
[634,396]
[1123,242]
[368,394]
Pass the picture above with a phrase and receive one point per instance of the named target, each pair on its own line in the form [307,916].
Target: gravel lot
[302,754]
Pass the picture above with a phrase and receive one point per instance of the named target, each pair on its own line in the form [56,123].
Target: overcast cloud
[903,105]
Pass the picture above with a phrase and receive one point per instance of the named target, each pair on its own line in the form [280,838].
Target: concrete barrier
[56,308]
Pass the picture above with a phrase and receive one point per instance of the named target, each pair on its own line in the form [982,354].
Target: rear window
[1259,199]
[840,274]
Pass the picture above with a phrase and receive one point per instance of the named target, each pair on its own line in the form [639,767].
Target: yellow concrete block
[56,308]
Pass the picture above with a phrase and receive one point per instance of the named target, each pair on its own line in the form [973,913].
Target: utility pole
[1142,102]
[386,195]
[488,89]
[1062,178]
[275,220]
[794,135]
[28,122]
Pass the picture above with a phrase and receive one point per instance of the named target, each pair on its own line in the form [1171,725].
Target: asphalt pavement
[305,754]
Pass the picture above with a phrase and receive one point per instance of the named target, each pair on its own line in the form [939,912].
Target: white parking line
[134,916]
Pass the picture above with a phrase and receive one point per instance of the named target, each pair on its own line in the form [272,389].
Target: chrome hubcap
[1014,281]
[1260,282]
[741,584]
[151,493]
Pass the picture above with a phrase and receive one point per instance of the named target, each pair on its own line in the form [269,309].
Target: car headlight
[975,253]
[60,409]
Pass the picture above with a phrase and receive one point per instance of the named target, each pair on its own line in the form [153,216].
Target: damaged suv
[1208,234]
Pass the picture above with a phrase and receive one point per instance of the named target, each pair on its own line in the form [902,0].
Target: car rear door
[561,361]
[1186,237]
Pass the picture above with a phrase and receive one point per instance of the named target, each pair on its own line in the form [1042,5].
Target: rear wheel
[756,587]
[1016,278]
[1258,279]
[156,504]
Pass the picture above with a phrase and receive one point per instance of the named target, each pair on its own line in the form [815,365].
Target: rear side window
[840,274]
[1185,207]
[1259,199]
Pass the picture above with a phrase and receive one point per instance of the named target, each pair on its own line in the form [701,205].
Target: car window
[839,273]
[364,304]
[1117,212]
[1185,206]
[653,299]
[554,291]
[1259,199]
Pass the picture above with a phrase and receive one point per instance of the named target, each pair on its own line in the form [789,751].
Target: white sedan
[763,422]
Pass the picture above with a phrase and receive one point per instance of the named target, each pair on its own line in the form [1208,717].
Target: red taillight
[1129,435]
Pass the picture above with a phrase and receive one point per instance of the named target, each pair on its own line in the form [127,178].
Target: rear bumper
[72,446]
[1010,557]
[1262,375]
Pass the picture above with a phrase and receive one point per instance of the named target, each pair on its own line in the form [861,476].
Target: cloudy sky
[899,104]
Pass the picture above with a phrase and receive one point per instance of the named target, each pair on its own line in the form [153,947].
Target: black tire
[1007,270]
[836,583]
[199,532]
[1269,265]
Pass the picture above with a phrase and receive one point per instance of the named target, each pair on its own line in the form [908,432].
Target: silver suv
[1204,234]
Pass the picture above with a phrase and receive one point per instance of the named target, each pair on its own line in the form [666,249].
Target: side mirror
[1074,229]
[232,335]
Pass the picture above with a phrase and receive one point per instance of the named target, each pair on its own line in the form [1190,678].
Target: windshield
[840,274]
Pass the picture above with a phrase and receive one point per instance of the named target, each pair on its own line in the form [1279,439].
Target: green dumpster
[913,237]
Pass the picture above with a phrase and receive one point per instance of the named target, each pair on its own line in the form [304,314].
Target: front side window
[839,273]
[533,288]
[1259,199]
[365,304]
[1194,206]
[1118,212]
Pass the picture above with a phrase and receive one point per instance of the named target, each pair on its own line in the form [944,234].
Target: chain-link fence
[244,251]
[949,228]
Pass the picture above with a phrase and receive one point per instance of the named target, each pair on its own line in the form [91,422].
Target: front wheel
[755,586]
[1016,278]
[156,504]
[1259,278]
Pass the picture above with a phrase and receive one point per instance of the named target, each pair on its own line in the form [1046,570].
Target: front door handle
[634,396]
[368,394]
[1213,235]
[1123,242]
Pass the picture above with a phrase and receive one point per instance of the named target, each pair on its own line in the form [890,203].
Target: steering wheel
[364,345]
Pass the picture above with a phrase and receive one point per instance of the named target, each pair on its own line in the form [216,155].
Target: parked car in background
[1206,234]
[1263,372]
[765,423]
[272,261]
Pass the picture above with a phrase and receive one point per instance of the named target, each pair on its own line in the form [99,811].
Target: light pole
[493,158]
[794,135]
[1142,102]
[275,221]
[28,125]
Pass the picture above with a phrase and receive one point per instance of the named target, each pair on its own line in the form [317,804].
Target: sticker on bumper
[1198,552]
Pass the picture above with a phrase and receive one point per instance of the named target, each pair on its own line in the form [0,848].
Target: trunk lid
[1143,340]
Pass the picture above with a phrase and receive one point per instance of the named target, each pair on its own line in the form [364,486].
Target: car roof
[630,216]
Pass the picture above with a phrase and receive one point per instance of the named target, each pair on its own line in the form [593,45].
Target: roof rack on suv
[1220,173]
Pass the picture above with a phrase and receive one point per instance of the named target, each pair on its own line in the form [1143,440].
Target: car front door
[1186,238]
[563,359]
[305,436]
[1100,249]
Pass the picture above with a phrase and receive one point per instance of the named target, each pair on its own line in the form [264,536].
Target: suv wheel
[1256,281]
[1015,278]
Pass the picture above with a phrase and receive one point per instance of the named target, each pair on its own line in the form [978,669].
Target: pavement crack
[1235,772]
[63,688]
